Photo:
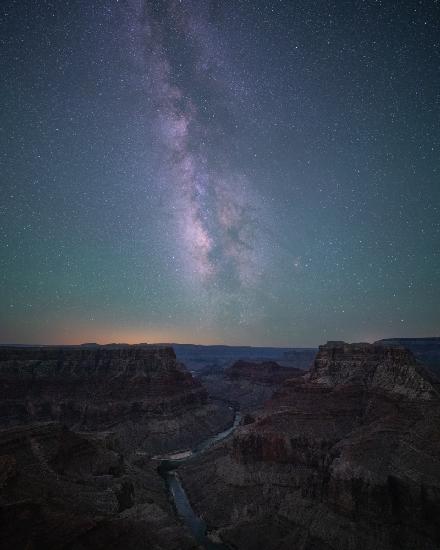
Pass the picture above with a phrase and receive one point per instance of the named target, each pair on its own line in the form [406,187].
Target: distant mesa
[111,345]
[247,384]
[89,345]
[266,372]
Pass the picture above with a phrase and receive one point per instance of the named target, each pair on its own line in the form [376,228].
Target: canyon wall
[141,393]
[248,384]
[345,457]
[425,350]
[78,428]
[60,489]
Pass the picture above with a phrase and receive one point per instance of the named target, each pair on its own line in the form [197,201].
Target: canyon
[199,359]
[247,385]
[141,393]
[339,456]
[79,428]
[346,456]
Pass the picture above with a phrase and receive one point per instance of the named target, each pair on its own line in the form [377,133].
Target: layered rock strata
[346,457]
[62,490]
[140,393]
[246,384]
[79,428]
[425,350]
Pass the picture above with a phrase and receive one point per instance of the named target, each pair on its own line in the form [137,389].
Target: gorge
[220,275]
[120,446]
[79,428]
[346,456]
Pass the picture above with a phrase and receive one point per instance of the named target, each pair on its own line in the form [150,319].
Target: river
[168,471]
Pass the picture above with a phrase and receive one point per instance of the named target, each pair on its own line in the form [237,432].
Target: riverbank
[167,469]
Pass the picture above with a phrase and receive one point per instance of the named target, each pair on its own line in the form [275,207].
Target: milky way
[230,171]
[216,217]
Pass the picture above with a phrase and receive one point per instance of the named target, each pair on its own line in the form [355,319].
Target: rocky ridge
[60,489]
[345,457]
[248,384]
[141,393]
[425,350]
[393,369]
[79,428]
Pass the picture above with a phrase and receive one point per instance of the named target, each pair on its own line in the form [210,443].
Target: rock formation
[425,350]
[248,384]
[79,428]
[345,457]
[198,358]
[62,490]
[140,393]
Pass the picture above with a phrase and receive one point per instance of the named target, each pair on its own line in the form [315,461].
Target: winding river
[168,471]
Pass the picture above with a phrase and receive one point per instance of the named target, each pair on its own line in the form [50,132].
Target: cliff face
[425,350]
[370,366]
[248,384]
[59,490]
[261,373]
[198,358]
[346,457]
[79,426]
[139,392]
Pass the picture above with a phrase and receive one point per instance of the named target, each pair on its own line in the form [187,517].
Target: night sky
[243,172]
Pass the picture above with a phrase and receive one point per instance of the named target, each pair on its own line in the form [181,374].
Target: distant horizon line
[91,344]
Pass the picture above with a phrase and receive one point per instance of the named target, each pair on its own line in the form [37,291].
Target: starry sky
[242,172]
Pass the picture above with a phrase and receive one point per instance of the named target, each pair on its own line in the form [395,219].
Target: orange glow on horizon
[75,335]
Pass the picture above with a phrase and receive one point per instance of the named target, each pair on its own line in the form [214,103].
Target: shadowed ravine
[167,470]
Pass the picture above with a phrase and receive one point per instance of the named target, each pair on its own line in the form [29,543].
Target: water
[167,470]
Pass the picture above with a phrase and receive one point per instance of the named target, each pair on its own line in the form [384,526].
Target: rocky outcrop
[79,428]
[141,393]
[267,372]
[246,384]
[425,350]
[345,457]
[393,369]
[199,358]
[63,490]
